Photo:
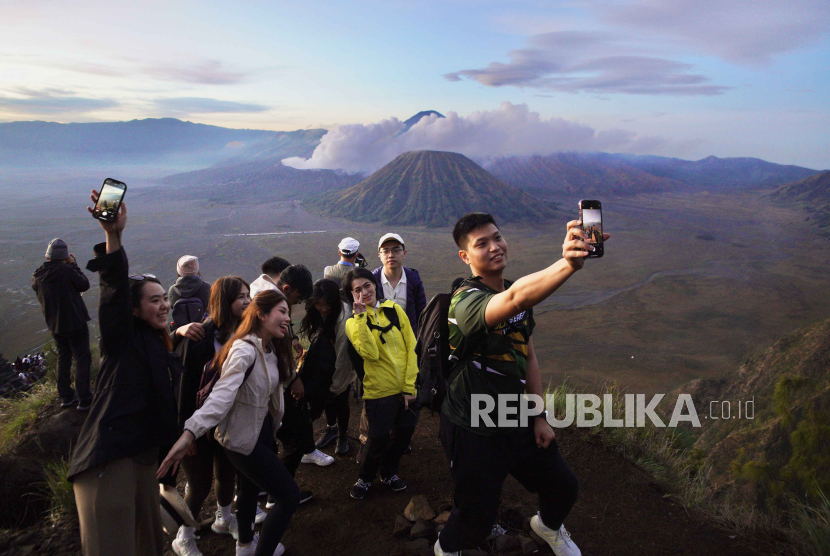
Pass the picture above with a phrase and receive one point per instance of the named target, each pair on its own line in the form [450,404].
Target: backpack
[357,361]
[210,376]
[187,310]
[436,371]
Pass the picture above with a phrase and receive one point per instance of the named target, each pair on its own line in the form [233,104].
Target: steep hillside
[813,194]
[777,445]
[578,173]
[259,179]
[589,173]
[434,189]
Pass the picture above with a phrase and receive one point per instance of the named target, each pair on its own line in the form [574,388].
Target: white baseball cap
[348,246]
[387,237]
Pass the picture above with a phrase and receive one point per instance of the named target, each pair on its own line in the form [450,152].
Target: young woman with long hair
[133,411]
[246,407]
[382,336]
[198,343]
[324,325]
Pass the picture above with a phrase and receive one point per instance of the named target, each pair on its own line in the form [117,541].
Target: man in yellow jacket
[382,336]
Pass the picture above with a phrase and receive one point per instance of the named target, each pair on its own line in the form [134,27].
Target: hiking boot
[260,515]
[395,483]
[360,489]
[317,458]
[225,527]
[84,406]
[559,540]
[329,436]
[69,403]
[248,549]
[440,552]
[342,446]
[185,546]
[360,452]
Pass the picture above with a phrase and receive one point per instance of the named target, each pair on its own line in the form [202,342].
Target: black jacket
[194,356]
[133,409]
[58,286]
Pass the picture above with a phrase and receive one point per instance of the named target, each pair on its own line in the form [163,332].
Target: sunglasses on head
[140,277]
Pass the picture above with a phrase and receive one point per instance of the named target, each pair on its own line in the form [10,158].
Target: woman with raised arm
[133,410]
[246,407]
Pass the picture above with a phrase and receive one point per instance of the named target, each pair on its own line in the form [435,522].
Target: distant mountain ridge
[431,188]
[572,172]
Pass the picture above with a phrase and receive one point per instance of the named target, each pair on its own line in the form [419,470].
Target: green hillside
[434,189]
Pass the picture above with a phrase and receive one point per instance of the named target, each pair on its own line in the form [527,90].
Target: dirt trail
[620,511]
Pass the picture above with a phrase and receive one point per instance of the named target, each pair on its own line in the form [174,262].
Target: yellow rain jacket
[391,367]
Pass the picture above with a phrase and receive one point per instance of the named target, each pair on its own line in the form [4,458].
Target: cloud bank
[201,105]
[593,62]
[51,102]
[510,130]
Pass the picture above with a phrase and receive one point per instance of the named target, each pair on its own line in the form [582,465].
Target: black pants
[296,433]
[337,411]
[74,344]
[479,465]
[390,429]
[262,470]
[209,466]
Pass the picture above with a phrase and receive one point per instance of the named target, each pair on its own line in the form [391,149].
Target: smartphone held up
[109,200]
[590,213]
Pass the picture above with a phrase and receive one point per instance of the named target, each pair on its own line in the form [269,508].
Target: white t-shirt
[396,294]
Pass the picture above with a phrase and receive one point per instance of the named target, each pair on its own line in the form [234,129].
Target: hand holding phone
[590,214]
[109,200]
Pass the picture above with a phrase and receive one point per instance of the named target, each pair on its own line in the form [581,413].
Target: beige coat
[237,407]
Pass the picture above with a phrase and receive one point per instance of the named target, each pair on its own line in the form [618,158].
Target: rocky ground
[621,510]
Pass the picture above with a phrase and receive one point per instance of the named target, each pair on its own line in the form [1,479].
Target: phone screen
[109,200]
[592,224]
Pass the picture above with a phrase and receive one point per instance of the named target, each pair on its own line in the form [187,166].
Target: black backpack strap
[392,315]
[250,369]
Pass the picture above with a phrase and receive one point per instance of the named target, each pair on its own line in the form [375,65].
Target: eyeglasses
[140,277]
[385,252]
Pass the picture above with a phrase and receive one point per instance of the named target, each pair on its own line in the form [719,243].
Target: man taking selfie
[490,323]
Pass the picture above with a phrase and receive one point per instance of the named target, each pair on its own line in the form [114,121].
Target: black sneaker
[329,436]
[305,496]
[395,483]
[84,406]
[360,489]
[70,403]
[342,446]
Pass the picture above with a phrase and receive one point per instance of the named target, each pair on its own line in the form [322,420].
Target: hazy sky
[685,78]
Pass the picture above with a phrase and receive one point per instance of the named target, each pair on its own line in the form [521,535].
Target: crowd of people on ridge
[207,377]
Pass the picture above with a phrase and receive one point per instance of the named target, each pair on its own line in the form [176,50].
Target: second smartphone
[590,213]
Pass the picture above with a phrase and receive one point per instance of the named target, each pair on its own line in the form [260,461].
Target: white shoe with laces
[185,546]
[559,540]
[250,548]
[225,527]
[318,458]
[260,515]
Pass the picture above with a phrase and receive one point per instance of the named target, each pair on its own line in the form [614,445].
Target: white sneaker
[280,550]
[185,546]
[560,541]
[318,458]
[225,527]
[249,549]
[260,515]
[440,552]
[496,532]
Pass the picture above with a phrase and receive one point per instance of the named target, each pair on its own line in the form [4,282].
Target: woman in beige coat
[246,407]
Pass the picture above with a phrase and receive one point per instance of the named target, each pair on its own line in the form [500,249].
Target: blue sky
[685,78]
